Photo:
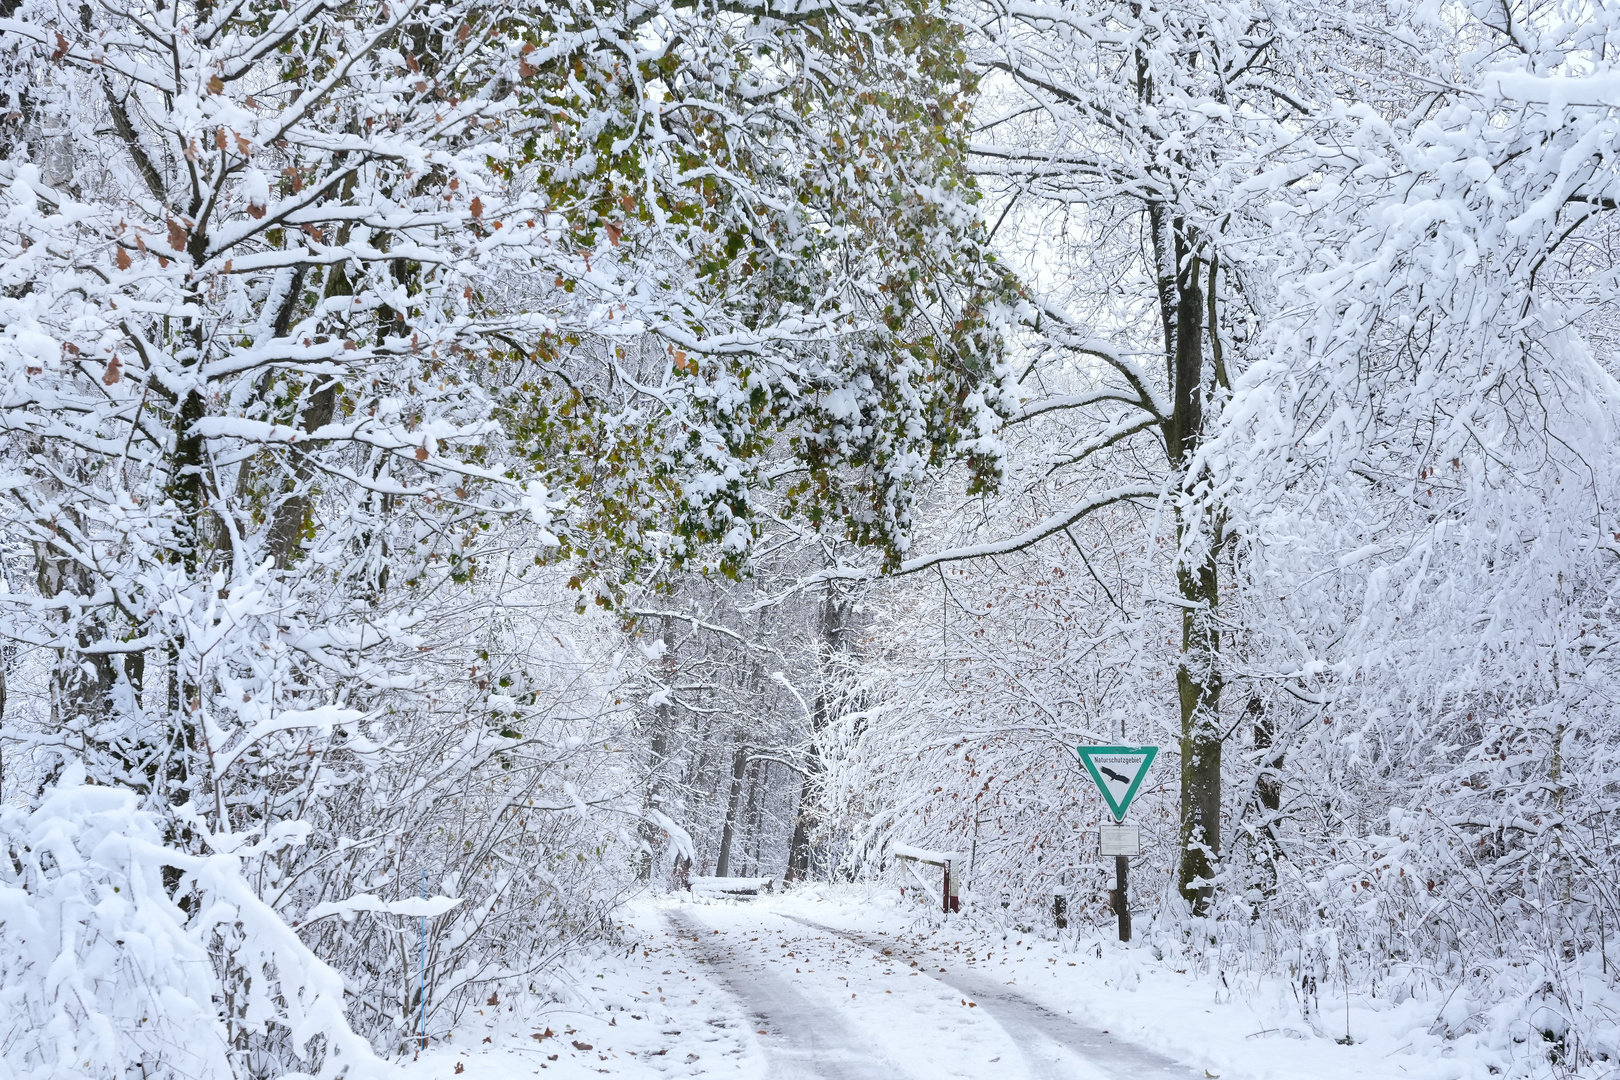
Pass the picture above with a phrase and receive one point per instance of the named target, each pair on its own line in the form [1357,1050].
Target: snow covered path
[1053,1044]
[904,1027]
[809,986]
[804,1037]
[747,991]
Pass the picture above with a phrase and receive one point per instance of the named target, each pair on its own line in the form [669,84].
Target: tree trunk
[1268,789]
[1198,676]
[1198,681]
[798,866]
[739,766]
[292,516]
[834,617]
[758,778]
[663,718]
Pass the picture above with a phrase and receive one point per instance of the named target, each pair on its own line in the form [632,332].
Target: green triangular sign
[1118,772]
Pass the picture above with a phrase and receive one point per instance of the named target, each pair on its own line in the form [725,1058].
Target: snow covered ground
[816,984]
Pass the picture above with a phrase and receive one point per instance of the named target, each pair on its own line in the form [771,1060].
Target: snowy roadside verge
[646,1011]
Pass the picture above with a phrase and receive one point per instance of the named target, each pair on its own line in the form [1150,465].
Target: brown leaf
[628,202]
[255,211]
[177,235]
[541,1036]
[476,207]
[495,996]
[421,453]
[216,85]
[582,1045]
[122,259]
[243,147]
[460,1068]
[140,242]
[412,63]
[62,47]
[219,139]
[683,363]
[115,371]
[614,231]
[464,32]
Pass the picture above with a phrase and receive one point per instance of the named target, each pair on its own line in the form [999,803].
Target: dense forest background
[471,463]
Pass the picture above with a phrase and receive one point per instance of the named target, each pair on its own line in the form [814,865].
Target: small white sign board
[1119,840]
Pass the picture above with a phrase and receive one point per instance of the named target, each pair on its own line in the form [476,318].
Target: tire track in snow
[807,1040]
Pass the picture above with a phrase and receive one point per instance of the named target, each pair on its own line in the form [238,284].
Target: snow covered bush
[118,953]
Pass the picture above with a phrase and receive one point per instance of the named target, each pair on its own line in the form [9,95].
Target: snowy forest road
[1033,1026]
[843,1006]
[807,1039]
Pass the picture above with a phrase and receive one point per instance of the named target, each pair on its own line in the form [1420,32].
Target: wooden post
[1120,897]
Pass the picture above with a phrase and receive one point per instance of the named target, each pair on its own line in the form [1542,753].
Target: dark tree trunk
[1198,676]
[758,775]
[657,765]
[834,634]
[1268,788]
[739,766]
[292,516]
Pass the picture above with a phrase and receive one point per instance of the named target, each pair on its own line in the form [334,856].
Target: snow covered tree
[824,315]
[1130,144]
[1405,459]
[327,329]
[1419,464]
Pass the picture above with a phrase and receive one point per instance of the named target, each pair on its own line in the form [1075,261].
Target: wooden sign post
[1118,772]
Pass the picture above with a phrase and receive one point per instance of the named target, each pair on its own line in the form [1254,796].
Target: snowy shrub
[120,955]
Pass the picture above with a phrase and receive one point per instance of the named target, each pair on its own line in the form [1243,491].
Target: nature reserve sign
[1118,772]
